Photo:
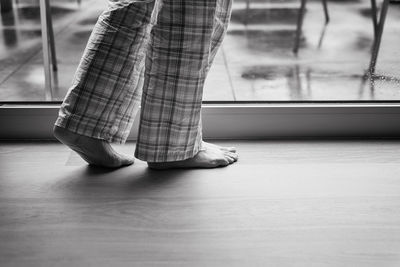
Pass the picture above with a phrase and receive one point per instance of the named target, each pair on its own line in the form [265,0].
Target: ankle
[63,134]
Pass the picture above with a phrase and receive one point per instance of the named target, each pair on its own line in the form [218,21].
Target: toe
[230,159]
[223,148]
[232,155]
[114,160]
[223,162]
[227,148]
[230,149]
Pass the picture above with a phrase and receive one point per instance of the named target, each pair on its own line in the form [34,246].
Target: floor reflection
[256,61]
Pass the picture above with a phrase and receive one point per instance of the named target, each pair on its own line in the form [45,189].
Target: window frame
[239,120]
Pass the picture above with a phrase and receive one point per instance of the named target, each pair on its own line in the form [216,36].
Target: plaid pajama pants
[156,53]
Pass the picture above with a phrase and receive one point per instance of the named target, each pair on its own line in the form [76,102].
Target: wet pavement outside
[255,63]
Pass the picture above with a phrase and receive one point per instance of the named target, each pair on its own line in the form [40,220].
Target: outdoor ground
[256,61]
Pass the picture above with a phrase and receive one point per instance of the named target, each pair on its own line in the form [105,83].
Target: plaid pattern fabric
[158,51]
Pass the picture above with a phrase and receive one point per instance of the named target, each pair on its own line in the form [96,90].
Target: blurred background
[275,50]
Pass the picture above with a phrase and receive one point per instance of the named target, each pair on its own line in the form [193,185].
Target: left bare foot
[209,156]
[93,151]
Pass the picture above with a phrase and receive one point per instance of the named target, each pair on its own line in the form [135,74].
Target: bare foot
[230,149]
[210,156]
[93,151]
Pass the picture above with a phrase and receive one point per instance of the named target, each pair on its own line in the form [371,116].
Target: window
[280,58]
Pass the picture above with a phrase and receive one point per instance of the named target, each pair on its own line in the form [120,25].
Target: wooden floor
[285,203]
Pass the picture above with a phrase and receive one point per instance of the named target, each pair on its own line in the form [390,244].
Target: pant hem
[170,156]
[92,133]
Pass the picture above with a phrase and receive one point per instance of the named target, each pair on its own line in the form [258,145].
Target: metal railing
[377,22]
[48,44]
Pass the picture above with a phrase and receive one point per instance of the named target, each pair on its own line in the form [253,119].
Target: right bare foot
[93,151]
[210,156]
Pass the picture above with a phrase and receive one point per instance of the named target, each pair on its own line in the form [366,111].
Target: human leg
[180,53]
[104,97]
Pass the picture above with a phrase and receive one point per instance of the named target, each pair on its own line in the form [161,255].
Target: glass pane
[332,57]
[255,63]
[21,57]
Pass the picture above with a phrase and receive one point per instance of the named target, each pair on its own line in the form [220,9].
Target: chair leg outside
[374,15]
[300,19]
[46,49]
[246,19]
[378,39]
[325,5]
[51,36]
